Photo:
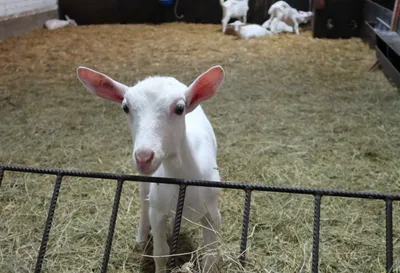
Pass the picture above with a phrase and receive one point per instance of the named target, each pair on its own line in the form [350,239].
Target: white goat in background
[281,27]
[283,12]
[236,9]
[249,31]
[172,137]
[57,23]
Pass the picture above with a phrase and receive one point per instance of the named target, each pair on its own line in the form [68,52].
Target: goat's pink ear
[101,85]
[204,87]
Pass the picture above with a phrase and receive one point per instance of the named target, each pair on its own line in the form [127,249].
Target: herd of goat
[172,136]
[283,18]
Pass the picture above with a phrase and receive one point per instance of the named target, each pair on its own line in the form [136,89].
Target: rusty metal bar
[317,220]
[47,227]
[389,235]
[177,225]
[245,227]
[111,228]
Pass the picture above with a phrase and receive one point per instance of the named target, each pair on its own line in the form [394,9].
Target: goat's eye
[125,108]
[179,109]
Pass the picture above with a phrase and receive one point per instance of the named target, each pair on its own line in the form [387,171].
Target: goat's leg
[144,222]
[275,21]
[295,25]
[211,223]
[245,18]
[225,21]
[160,245]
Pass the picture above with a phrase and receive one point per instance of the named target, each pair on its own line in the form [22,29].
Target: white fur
[283,12]
[184,147]
[233,9]
[281,27]
[249,31]
[56,23]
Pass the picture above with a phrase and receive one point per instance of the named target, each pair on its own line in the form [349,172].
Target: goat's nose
[144,156]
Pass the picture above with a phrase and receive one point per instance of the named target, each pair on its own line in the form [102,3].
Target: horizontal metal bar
[202,183]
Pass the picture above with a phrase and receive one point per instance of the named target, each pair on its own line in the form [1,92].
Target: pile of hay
[293,111]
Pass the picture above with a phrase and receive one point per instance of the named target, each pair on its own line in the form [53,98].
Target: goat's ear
[101,85]
[204,87]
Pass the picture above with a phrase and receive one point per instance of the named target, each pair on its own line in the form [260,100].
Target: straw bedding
[293,111]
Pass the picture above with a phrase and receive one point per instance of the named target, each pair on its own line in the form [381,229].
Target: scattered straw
[293,111]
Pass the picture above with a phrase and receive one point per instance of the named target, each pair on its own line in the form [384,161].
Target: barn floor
[293,111]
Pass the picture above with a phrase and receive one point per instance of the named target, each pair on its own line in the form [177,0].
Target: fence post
[317,218]
[389,235]
[1,175]
[177,226]
[47,227]
[245,227]
[111,227]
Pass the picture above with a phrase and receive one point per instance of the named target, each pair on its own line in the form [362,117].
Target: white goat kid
[249,31]
[172,137]
[281,11]
[281,27]
[233,9]
[57,23]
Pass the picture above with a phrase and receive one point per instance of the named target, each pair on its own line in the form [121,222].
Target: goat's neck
[181,163]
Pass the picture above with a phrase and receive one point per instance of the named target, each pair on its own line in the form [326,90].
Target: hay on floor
[293,111]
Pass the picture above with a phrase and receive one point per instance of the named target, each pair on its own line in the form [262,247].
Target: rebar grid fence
[183,184]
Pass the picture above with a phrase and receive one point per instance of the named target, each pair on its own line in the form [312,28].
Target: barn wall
[15,7]
[21,16]
[151,11]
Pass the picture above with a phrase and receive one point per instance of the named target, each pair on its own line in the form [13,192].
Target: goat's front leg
[245,18]
[211,223]
[160,245]
[295,25]
[274,23]
[144,222]
[225,21]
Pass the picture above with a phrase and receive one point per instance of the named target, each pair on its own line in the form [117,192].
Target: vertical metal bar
[389,235]
[47,227]
[317,218]
[395,16]
[1,175]
[111,227]
[245,227]
[177,225]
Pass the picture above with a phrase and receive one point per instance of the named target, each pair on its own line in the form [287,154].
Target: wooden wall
[151,11]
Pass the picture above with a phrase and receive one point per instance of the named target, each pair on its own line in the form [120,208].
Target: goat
[56,23]
[282,11]
[281,27]
[233,9]
[249,31]
[172,137]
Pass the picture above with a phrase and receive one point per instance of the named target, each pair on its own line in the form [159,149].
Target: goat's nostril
[145,156]
[150,158]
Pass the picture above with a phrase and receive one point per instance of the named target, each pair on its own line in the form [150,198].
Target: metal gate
[248,188]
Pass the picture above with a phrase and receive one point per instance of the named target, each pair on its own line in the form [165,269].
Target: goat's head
[155,109]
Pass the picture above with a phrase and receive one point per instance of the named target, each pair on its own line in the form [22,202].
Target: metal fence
[248,188]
